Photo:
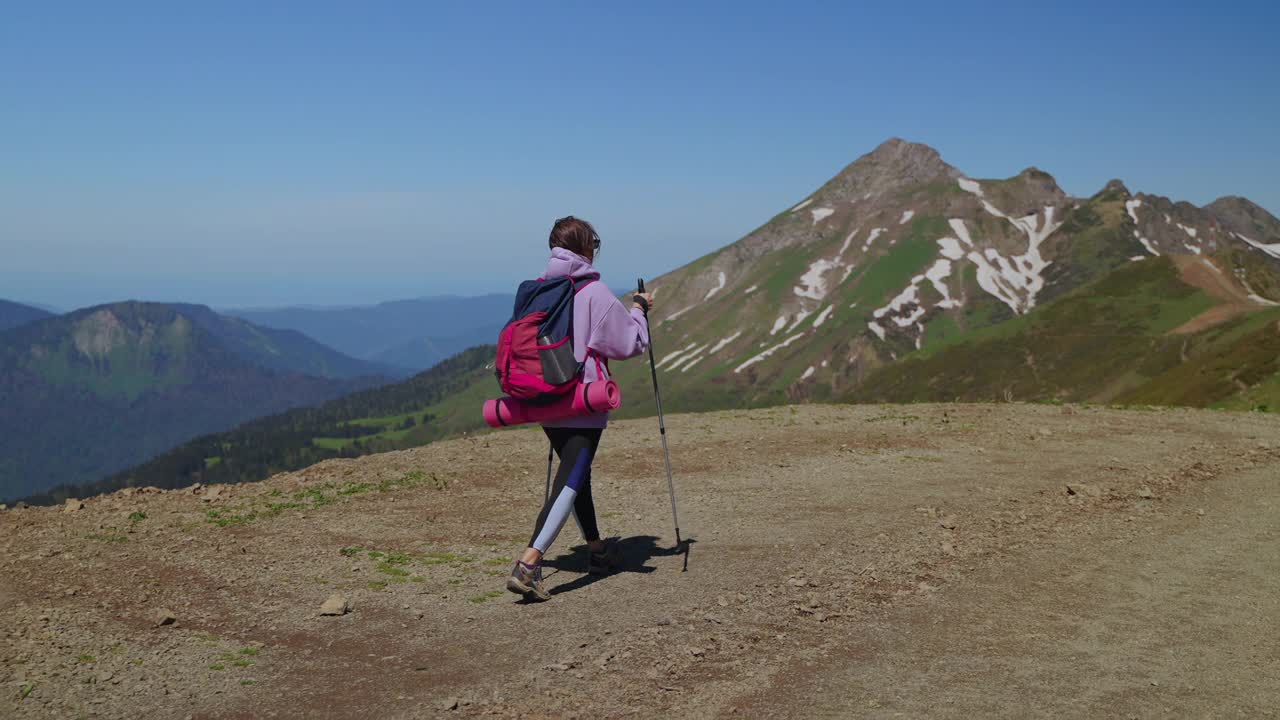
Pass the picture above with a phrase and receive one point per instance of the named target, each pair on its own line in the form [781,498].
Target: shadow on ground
[633,554]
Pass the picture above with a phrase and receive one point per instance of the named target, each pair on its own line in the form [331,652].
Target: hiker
[603,330]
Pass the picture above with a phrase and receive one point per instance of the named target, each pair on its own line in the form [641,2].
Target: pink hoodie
[600,323]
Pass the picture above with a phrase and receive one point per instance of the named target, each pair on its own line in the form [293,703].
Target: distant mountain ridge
[13,314]
[99,389]
[413,334]
[412,412]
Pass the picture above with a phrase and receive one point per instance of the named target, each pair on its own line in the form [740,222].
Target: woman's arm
[616,333]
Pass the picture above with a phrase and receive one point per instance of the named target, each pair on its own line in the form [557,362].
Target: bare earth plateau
[964,561]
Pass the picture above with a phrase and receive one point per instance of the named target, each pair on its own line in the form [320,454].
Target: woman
[605,328]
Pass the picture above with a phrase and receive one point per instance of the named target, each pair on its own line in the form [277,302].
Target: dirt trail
[1202,273]
[848,561]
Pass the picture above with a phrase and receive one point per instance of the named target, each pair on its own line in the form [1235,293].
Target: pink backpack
[535,360]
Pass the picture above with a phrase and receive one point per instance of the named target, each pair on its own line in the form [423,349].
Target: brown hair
[574,235]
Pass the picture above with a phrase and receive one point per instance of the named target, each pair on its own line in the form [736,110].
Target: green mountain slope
[900,254]
[441,401]
[88,393]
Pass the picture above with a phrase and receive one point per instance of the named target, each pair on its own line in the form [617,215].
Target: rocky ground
[906,561]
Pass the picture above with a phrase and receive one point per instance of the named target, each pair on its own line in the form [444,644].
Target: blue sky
[247,154]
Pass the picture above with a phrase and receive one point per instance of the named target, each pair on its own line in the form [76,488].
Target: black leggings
[571,493]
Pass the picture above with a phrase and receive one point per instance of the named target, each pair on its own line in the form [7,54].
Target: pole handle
[639,300]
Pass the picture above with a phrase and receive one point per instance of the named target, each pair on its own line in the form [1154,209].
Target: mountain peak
[894,164]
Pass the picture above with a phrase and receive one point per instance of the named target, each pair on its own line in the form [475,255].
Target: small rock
[163,617]
[559,667]
[450,704]
[1145,493]
[3,507]
[212,494]
[948,549]
[1046,432]
[604,659]
[1083,490]
[797,582]
[335,605]
[722,602]
[697,652]
[1200,512]
[72,505]
[948,522]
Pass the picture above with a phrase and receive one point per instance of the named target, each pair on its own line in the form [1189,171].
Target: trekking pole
[662,430]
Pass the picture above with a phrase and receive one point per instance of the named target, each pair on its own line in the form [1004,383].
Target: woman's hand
[647,298]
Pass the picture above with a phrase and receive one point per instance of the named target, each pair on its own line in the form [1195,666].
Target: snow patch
[950,248]
[847,240]
[802,205]
[872,238]
[799,319]
[720,345]
[820,214]
[962,232]
[937,275]
[1021,274]
[778,324]
[715,289]
[676,354]
[875,328]
[825,363]
[1263,301]
[768,352]
[1272,249]
[1193,248]
[750,290]
[822,316]
[678,313]
[1136,258]
[1211,265]
[1131,207]
[1188,230]
[970,186]
[812,284]
[906,216]
[808,373]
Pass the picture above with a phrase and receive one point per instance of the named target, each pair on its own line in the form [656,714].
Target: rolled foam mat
[586,399]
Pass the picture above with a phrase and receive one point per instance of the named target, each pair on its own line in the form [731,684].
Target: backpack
[535,360]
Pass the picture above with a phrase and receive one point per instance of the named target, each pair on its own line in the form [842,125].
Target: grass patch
[485,597]
[109,535]
[377,584]
[86,659]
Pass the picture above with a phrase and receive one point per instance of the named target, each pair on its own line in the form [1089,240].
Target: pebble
[163,617]
[335,605]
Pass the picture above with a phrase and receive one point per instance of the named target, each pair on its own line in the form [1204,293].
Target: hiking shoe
[601,563]
[526,580]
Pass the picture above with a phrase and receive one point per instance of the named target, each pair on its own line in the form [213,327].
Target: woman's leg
[576,448]
[584,511]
